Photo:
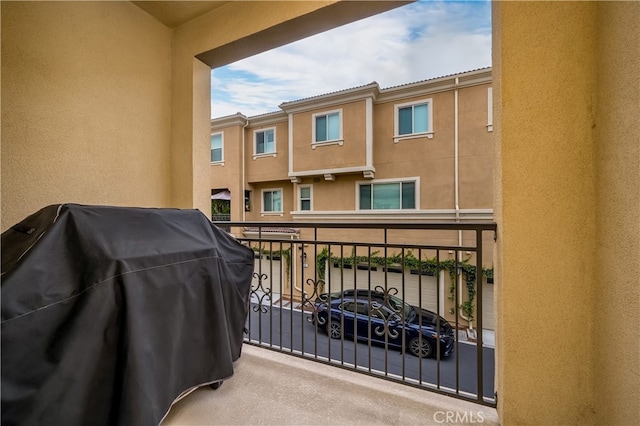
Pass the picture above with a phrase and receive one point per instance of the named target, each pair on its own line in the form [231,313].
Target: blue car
[377,316]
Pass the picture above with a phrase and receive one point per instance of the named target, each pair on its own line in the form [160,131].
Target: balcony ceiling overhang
[331,15]
[175,13]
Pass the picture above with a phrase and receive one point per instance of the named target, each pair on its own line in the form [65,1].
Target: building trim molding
[237,119]
[330,99]
[393,215]
[365,170]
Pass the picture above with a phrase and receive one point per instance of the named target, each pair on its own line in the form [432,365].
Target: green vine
[321,263]
[220,207]
[427,266]
[286,255]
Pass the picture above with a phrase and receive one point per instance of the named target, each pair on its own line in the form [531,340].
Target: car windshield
[401,308]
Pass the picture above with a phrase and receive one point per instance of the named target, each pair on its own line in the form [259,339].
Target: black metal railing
[399,301]
[218,218]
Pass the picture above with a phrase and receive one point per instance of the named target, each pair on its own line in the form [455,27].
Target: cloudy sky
[419,41]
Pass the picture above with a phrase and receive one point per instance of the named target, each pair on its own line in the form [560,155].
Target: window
[358,308]
[327,127]
[247,200]
[414,119]
[265,141]
[387,196]
[216,148]
[304,195]
[272,201]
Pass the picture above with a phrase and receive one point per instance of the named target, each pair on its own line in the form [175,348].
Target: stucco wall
[269,167]
[617,292]
[566,85]
[475,149]
[547,201]
[85,106]
[350,154]
[222,176]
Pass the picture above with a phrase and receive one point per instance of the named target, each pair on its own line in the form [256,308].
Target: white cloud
[416,42]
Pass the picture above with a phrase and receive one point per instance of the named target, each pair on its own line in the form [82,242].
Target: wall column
[544,90]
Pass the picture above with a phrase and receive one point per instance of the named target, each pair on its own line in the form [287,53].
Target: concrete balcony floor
[271,388]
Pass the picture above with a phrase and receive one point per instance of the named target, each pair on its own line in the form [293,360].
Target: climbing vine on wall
[409,261]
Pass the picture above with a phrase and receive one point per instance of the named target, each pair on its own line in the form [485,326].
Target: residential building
[420,151]
[108,103]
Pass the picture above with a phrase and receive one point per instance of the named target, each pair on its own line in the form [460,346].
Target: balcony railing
[411,303]
[217,218]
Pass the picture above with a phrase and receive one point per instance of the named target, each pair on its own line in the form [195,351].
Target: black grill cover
[110,314]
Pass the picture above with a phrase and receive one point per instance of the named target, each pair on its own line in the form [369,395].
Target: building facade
[411,153]
[419,151]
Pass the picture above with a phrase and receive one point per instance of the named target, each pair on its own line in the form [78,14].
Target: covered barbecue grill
[110,314]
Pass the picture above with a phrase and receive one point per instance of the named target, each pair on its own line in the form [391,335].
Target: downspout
[295,284]
[457,187]
[456,173]
[244,209]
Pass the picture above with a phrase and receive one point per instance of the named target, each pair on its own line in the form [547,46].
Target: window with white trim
[272,200]
[327,126]
[414,119]
[388,195]
[305,198]
[265,141]
[216,148]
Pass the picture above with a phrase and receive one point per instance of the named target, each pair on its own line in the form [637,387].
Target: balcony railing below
[405,302]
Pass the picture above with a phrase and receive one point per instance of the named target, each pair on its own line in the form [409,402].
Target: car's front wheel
[335,330]
[420,347]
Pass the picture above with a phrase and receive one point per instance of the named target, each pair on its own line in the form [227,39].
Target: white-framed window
[305,197]
[272,200]
[414,119]
[327,127]
[217,145]
[388,194]
[490,109]
[264,142]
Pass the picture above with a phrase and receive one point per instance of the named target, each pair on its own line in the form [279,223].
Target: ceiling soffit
[175,13]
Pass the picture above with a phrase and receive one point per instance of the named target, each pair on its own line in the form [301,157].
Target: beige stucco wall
[269,167]
[85,106]
[350,154]
[226,174]
[566,86]
[338,195]
[617,152]
[475,149]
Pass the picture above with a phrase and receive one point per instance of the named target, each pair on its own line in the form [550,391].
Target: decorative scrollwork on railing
[260,293]
[391,291]
[309,300]
[376,309]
